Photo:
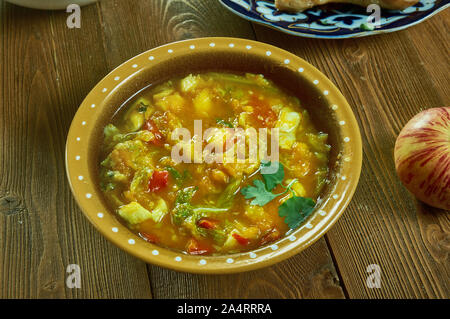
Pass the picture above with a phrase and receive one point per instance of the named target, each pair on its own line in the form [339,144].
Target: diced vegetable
[189,83]
[203,102]
[288,122]
[194,247]
[207,223]
[158,181]
[241,240]
[151,238]
[140,178]
[134,213]
[174,102]
[158,137]
[160,210]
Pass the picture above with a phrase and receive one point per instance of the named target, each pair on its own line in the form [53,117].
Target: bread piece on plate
[301,5]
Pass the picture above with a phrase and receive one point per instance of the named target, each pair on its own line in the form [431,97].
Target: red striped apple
[422,156]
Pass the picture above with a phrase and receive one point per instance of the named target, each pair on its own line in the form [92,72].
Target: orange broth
[199,208]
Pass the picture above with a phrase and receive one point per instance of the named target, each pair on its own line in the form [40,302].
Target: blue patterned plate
[334,21]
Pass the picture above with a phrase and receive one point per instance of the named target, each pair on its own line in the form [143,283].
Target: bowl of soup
[214,155]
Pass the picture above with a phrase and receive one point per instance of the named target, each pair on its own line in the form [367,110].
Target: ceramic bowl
[326,105]
[49,4]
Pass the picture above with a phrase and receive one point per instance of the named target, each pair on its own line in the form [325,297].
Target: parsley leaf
[261,195]
[272,179]
[295,210]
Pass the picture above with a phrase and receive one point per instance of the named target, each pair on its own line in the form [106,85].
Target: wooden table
[46,71]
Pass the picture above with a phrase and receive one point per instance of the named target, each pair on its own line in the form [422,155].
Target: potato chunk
[203,102]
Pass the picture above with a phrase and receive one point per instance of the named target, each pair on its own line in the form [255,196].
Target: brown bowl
[326,105]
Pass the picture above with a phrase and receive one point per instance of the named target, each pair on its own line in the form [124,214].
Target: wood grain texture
[47,70]
[42,231]
[386,79]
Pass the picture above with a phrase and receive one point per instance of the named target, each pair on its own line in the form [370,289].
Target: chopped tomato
[150,237]
[207,223]
[241,240]
[271,236]
[159,138]
[158,180]
[196,248]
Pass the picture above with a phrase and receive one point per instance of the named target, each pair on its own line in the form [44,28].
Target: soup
[180,168]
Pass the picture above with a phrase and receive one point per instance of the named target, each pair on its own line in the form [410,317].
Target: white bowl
[49,4]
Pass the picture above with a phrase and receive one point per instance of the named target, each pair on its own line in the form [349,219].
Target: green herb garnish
[273,179]
[261,195]
[294,210]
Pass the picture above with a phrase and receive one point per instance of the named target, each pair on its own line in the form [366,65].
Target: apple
[422,156]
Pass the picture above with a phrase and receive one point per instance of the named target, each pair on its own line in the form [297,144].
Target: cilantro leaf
[272,179]
[261,195]
[295,210]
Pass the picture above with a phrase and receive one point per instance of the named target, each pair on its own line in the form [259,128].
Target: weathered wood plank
[47,69]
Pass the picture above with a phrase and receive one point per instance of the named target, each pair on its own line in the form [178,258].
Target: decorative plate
[334,21]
